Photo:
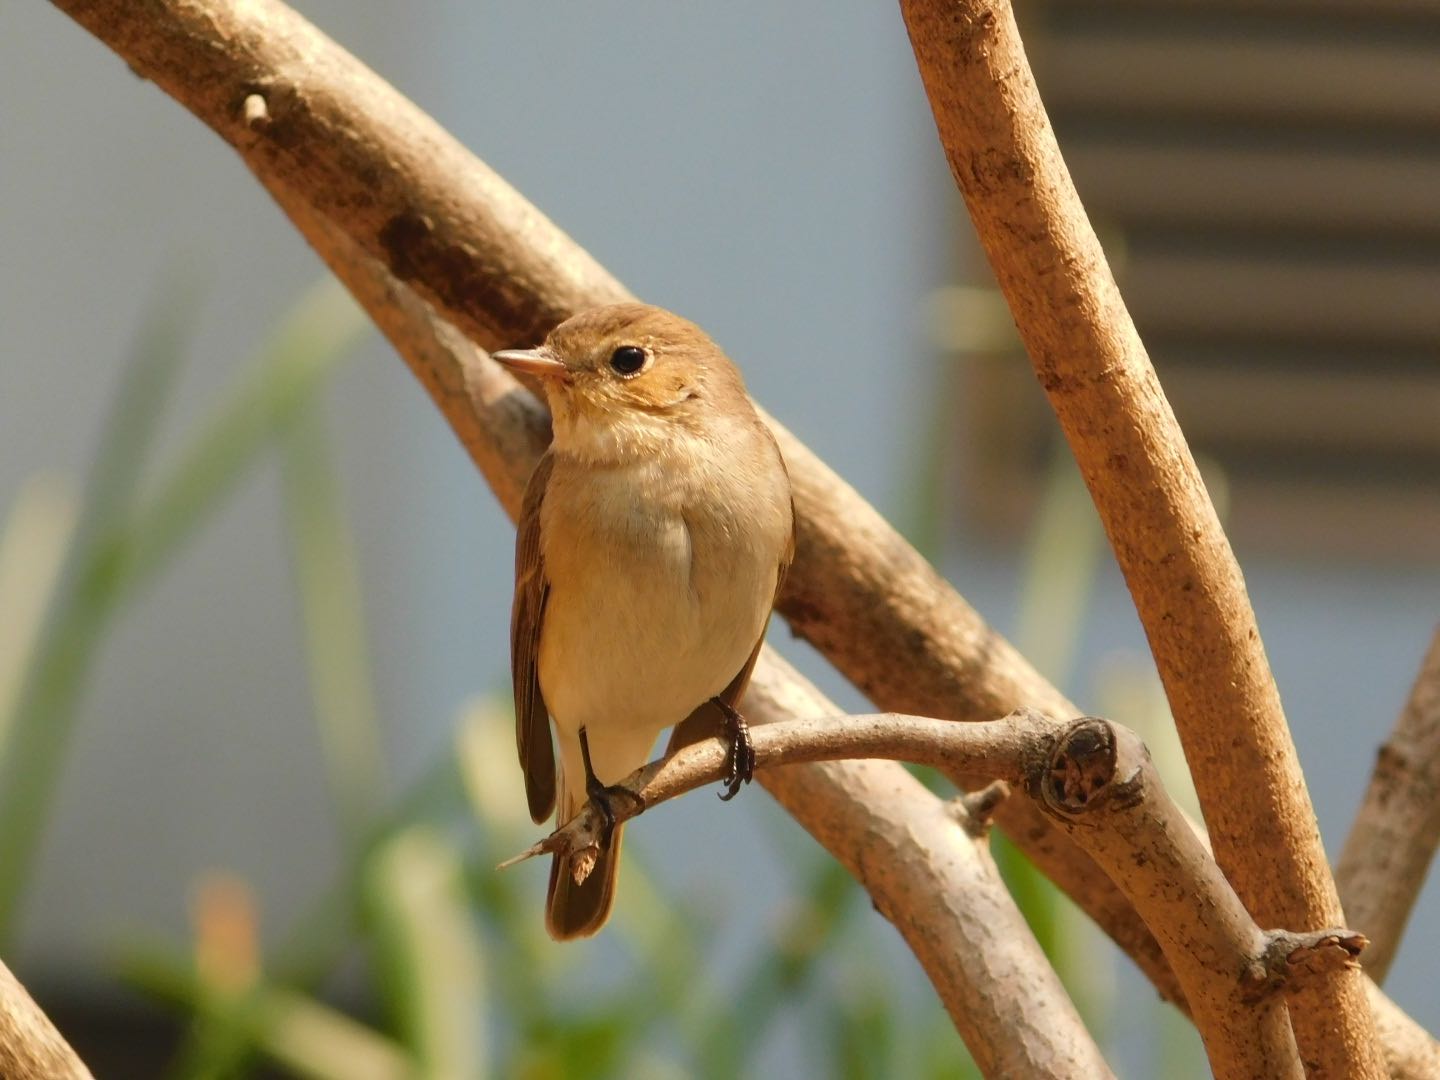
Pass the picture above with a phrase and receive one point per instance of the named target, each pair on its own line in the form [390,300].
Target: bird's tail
[571,910]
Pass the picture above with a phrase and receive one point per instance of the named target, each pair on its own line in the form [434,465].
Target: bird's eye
[627,360]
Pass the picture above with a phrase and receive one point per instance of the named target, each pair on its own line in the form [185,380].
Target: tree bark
[1177,562]
[31,1048]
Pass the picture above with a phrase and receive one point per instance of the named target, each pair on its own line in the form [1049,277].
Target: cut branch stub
[1098,780]
[1081,767]
[1290,960]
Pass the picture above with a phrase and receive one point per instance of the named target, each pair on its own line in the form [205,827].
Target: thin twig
[1393,840]
[998,748]
[1177,562]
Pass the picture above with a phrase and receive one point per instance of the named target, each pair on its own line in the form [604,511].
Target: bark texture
[30,1046]
[1182,575]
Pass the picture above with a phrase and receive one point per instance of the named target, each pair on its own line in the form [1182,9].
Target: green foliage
[123,539]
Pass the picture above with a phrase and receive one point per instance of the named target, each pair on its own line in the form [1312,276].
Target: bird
[653,539]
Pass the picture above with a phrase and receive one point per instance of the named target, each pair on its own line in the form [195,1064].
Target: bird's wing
[532,718]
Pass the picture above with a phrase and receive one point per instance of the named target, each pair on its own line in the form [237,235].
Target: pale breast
[660,585]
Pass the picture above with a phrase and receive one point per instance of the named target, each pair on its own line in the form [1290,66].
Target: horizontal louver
[1267,178]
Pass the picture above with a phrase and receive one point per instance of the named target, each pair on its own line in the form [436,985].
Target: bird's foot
[742,751]
[603,797]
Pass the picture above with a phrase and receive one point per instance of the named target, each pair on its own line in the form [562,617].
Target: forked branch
[1097,780]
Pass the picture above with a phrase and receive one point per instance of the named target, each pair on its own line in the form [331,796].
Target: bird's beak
[539,362]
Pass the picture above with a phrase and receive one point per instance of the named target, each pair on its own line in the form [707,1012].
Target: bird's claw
[603,797]
[742,751]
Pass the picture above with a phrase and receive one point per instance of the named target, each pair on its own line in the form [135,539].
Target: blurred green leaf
[1063,555]
[319,938]
[327,580]
[1035,895]
[307,1037]
[118,547]
[862,1026]
[572,1047]
[133,418]
[428,954]
[37,534]
[49,685]
[321,330]
[943,1055]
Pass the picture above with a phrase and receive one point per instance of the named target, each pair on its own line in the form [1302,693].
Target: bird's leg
[742,752]
[600,795]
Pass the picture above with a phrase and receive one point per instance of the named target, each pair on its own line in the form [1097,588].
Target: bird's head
[629,380]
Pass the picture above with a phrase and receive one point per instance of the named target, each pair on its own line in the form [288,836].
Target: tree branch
[1184,579]
[1101,783]
[937,883]
[31,1048]
[1393,840]
[348,143]
[1097,778]
[1000,748]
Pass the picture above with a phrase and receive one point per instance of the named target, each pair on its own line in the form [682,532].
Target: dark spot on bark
[403,237]
[461,280]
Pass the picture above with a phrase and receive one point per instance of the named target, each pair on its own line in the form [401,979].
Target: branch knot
[1290,960]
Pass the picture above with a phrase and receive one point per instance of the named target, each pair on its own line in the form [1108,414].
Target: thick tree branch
[877,610]
[1098,779]
[30,1046]
[1184,579]
[1393,841]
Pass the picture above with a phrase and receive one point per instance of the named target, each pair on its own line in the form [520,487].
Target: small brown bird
[654,537]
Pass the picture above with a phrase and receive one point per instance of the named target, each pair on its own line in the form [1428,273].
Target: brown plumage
[653,538]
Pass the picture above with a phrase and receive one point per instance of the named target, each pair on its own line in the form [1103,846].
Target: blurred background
[256,765]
